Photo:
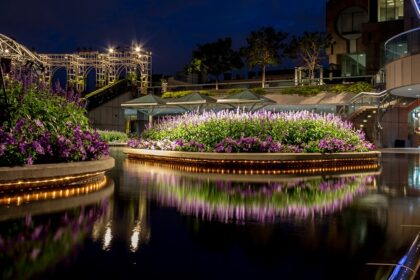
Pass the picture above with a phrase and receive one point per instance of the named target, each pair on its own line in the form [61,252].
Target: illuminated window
[390,10]
[353,65]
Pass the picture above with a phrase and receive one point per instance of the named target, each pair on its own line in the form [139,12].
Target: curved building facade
[381,36]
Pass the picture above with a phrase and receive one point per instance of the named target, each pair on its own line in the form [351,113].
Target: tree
[309,49]
[263,48]
[214,58]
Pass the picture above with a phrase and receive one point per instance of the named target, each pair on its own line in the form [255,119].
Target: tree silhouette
[309,48]
[214,58]
[263,47]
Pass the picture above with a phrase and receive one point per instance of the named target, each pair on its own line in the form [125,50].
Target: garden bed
[53,173]
[352,161]
[285,140]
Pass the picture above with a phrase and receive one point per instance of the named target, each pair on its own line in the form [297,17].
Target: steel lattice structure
[133,63]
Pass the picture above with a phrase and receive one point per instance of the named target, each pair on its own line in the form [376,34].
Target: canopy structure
[146,104]
[147,101]
[188,102]
[152,105]
[246,97]
[192,99]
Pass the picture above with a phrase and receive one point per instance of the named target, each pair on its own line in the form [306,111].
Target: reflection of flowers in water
[31,244]
[225,201]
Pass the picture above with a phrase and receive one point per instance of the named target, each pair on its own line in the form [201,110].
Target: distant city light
[110,50]
[137,49]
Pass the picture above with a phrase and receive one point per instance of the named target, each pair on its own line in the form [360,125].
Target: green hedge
[336,88]
[176,94]
[113,136]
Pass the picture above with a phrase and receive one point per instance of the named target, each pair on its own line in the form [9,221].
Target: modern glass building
[360,28]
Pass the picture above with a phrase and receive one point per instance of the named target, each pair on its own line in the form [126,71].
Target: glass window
[353,65]
[390,10]
[350,21]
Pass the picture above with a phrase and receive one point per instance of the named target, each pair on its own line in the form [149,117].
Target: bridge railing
[269,84]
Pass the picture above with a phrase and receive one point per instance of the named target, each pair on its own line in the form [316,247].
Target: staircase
[366,110]
[105,94]
[365,119]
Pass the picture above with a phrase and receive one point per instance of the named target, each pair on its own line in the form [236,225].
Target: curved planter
[298,161]
[53,173]
[48,204]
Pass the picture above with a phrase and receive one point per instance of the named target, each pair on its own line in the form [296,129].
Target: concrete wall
[403,72]
[395,126]
[110,115]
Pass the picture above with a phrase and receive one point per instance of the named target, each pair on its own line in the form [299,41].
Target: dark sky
[169,28]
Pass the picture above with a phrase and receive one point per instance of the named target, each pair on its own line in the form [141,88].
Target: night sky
[169,28]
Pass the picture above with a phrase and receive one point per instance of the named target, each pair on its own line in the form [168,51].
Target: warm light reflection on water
[242,197]
[25,196]
[164,222]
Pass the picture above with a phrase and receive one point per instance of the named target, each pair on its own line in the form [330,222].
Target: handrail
[402,45]
[401,34]
[374,94]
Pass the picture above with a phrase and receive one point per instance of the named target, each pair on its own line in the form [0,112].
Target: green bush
[42,125]
[336,88]
[113,136]
[239,90]
[359,87]
[176,94]
[303,130]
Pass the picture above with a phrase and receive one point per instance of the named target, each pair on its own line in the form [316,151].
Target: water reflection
[162,222]
[42,227]
[239,198]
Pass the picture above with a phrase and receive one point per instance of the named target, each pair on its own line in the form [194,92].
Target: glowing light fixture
[111,50]
[416,4]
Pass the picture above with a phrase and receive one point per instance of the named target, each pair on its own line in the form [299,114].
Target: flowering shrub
[43,125]
[263,131]
[167,145]
[29,142]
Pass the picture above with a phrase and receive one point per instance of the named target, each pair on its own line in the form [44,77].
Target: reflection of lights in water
[64,179]
[135,237]
[339,165]
[414,175]
[56,193]
[107,237]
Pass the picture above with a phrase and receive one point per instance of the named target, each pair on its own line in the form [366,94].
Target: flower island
[286,140]
[45,138]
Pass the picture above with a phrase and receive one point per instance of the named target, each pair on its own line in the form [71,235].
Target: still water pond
[149,221]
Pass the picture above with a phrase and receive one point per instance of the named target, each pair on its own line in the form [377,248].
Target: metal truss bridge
[133,63]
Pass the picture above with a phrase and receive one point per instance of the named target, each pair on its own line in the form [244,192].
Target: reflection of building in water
[401,172]
[414,174]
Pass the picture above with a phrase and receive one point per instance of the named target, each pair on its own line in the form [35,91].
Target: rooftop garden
[247,132]
[43,125]
[309,90]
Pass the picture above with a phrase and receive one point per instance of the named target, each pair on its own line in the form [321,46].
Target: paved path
[400,151]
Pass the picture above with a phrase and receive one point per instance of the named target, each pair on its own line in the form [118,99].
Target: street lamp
[137,49]
[111,50]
